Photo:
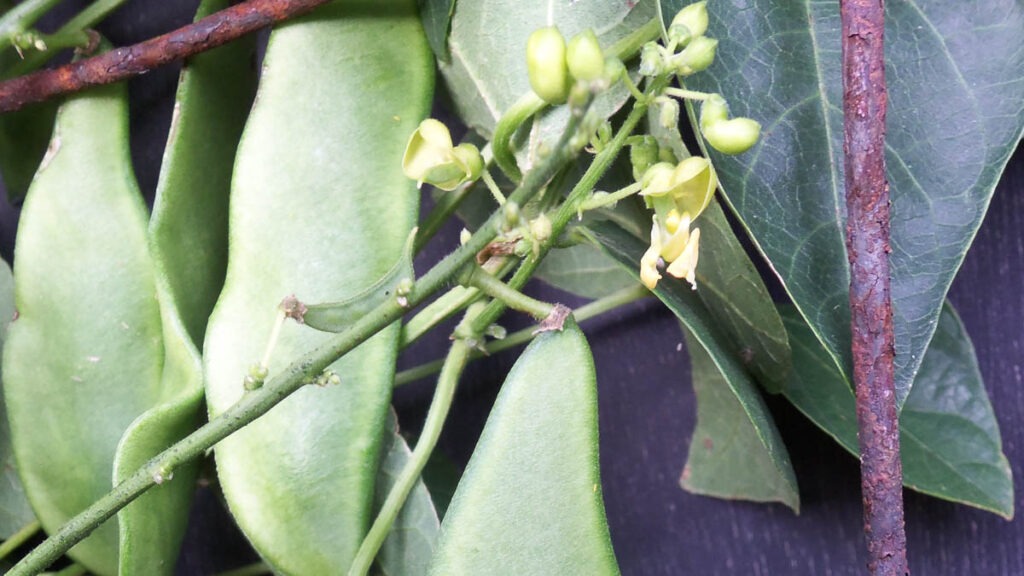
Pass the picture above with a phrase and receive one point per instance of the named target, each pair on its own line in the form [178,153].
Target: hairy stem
[22,17]
[122,63]
[495,288]
[592,310]
[867,245]
[454,364]
[256,403]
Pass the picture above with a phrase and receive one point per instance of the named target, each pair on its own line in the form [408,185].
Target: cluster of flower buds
[557,69]
[678,193]
[689,51]
[430,157]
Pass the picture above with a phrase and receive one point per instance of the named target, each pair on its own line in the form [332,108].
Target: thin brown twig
[121,63]
[867,243]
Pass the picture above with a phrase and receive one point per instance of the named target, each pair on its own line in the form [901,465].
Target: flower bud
[694,17]
[469,160]
[712,110]
[584,56]
[652,60]
[614,69]
[643,155]
[732,136]
[540,228]
[697,57]
[546,65]
[668,113]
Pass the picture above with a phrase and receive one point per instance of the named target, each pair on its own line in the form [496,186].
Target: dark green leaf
[951,447]
[23,138]
[530,499]
[730,287]
[188,242]
[437,18]
[956,82]
[441,477]
[678,297]
[727,458]
[320,209]
[413,537]
[14,509]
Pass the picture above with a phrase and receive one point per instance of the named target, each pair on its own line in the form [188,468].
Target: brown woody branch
[867,243]
[214,30]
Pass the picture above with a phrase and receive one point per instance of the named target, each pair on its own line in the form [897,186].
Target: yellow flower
[430,157]
[678,195]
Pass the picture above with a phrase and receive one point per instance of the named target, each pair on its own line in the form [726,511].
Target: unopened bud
[584,56]
[732,136]
[697,57]
[694,17]
[546,65]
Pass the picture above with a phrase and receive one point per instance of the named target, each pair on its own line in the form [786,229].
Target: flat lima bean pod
[84,358]
[530,500]
[188,241]
[319,209]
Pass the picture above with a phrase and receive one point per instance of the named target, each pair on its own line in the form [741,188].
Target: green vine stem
[84,20]
[18,538]
[476,277]
[447,382]
[594,309]
[258,402]
[522,110]
[22,17]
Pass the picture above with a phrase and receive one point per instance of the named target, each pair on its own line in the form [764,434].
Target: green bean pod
[84,358]
[188,241]
[320,209]
[530,499]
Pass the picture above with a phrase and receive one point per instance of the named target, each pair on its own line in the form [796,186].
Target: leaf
[437,19]
[188,242]
[15,511]
[687,306]
[23,138]
[320,209]
[951,447]
[487,72]
[441,477]
[410,544]
[530,499]
[726,458]
[84,358]
[954,118]
[731,289]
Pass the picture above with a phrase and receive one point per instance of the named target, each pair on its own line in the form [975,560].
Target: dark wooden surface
[647,412]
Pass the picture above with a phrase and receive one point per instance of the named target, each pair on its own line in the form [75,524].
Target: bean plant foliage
[617,150]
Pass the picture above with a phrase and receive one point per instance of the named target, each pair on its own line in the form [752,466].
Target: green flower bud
[713,110]
[668,113]
[694,17]
[584,57]
[732,136]
[546,65]
[469,160]
[540,228]
[643,155]
[697,57]
[652,60]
